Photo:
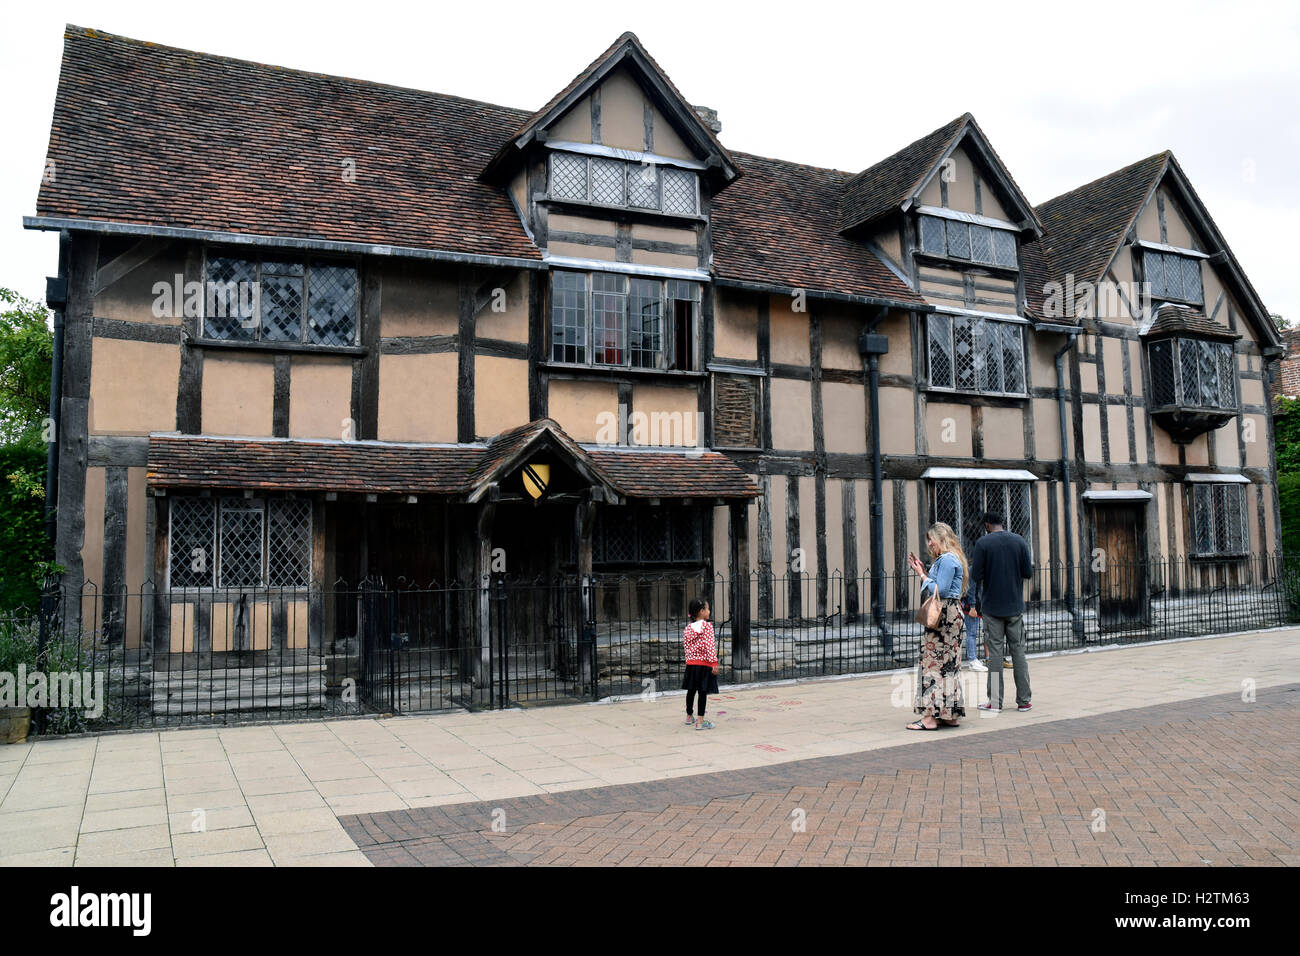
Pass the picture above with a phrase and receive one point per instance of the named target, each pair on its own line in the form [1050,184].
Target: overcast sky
[1066,94]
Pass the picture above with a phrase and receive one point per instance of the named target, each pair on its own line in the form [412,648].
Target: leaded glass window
[239,542]
[976,354]
[958,239]
[568,176]
[1173,276]
[281,300]
[646,534]
[962,505]
[1219,518]
[643,186]
[932,239]
[679,190]
[607,182]
[1195,373]
[973,242]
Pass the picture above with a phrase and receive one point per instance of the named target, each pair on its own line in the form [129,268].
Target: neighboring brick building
[1287,380]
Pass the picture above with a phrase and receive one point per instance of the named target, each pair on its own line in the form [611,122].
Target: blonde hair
[948,542]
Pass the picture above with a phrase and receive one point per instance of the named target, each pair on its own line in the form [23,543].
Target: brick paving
[1207,781]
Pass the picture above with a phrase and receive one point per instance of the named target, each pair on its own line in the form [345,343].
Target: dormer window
[968,241]
[1173,276]
[624,184]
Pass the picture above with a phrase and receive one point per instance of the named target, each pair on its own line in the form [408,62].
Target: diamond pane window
[331,305]
[1160,355]
[1218,518]
[1004,248]
[989,356]
[963,350]
[193,541]
[1209,374]
[932,239]
[608,317]
[289,543]
[607,181]
[958,239]
[645,338]
[241,543]
[568,317]
[981,243]
[962,504]
[1013,358]
[654,540]
[1173,276]
[679,191]
[975,354]
[686,534]
[568,176]
[643,186]
[1191,279]
[281,308]
[940,340]
[230,306]
[1227,361]
[1190,362]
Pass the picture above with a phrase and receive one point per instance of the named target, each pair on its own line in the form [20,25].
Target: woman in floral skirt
[938,694]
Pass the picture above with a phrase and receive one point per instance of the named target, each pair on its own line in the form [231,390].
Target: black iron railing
[167,658]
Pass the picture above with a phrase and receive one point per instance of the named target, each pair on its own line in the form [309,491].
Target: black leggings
[690,701]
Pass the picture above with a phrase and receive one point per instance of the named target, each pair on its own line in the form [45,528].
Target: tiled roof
[673,474]
[301,465]
[266,464]
[155,135]
[1085,226]
[778,224]
[882,188]
[1172,319]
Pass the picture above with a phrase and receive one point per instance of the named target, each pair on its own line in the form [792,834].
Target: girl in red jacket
[701,663]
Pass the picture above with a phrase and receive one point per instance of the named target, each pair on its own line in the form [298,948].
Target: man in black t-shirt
[999,565]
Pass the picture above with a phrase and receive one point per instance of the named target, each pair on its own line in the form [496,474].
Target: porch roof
[459,471]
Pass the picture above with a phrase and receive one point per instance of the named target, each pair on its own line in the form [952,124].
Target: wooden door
[1121,566]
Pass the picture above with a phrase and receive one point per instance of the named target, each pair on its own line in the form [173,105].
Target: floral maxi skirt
[938,689]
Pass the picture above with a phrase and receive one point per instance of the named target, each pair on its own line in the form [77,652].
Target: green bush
[20,646]
[24,548]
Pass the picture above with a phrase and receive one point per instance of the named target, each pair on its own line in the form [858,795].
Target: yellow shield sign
[536,478]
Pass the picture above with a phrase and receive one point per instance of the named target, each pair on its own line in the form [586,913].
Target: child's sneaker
[689,720]
[705,725]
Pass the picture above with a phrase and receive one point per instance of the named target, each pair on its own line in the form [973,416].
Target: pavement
[1178,753]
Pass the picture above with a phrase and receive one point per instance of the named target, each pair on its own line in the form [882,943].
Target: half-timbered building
[315,329]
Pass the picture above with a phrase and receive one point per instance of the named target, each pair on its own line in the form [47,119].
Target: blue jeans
[972,637]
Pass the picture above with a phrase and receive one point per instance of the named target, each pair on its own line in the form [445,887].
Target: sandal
[918,725]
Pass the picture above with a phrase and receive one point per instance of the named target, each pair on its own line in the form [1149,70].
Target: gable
[964,184]
[620,113]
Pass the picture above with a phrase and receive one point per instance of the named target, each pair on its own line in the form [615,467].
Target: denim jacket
[945,574]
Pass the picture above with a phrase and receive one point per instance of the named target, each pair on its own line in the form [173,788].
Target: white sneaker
[978,665]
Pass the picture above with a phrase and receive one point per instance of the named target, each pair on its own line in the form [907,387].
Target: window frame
[1216,494]
[1165,296]
[966,260]
[307,263]
[641,515]
[953,319]
[1177,343]
[666,354]
[218,506]
[983,484]
[630,169]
